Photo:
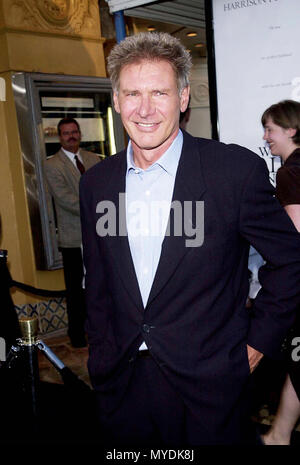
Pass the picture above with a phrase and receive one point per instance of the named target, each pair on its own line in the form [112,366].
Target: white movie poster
[257,58]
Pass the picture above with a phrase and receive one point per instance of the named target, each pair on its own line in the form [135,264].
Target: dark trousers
[153,414]
[73,273]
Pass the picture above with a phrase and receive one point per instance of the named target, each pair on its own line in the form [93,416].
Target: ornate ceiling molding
[72,17]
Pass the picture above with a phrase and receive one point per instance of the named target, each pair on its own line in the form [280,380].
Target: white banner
[257,57]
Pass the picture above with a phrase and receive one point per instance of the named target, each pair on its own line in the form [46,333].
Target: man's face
[149,104]
[70,137]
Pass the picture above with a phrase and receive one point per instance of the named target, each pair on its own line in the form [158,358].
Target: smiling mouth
[146,125]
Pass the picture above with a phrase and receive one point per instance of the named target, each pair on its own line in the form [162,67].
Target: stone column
[45,36]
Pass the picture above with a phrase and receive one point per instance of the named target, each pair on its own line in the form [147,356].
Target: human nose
[146,106]
[265,137]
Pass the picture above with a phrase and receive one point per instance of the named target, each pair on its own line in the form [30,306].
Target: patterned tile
[27,310]
[52,314]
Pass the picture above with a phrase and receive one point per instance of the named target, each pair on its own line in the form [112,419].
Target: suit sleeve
[63,195]
[266,225]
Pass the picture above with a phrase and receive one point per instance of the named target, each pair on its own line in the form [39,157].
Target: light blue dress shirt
[148,200]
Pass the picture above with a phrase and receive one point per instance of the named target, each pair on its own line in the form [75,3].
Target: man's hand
[254,357]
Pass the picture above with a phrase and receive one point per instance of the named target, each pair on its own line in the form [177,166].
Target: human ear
[184,98]
[291,132]
[116,102]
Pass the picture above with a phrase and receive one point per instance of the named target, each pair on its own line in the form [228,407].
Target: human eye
[158,93]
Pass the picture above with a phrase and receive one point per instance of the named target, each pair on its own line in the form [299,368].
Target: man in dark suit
[63,171]
[166,230]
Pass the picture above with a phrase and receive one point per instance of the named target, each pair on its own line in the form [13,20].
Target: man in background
[63,172]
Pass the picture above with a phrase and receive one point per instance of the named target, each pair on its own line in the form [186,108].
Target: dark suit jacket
[195,323]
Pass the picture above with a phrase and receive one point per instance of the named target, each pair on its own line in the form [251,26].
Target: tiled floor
[76,360]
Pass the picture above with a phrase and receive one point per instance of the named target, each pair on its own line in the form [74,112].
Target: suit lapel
[119,245]
[84,158]
[70,167]
[88,161]
[189,187]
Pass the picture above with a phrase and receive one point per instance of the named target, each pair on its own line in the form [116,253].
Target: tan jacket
[63,182]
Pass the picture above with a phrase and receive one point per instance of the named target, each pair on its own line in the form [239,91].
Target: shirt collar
[70,154]
[168,161]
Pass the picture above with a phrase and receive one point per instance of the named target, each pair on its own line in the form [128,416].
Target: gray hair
[152,46]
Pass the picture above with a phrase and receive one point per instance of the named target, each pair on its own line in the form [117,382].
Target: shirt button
[136,171]
[145,270]
[146,328]
[147,193]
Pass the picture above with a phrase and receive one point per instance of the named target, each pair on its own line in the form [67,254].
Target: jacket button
[146,328]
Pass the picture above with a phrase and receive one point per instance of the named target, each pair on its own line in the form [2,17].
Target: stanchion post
[31,380]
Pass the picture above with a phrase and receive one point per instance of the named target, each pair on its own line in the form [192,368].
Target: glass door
[41,101]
